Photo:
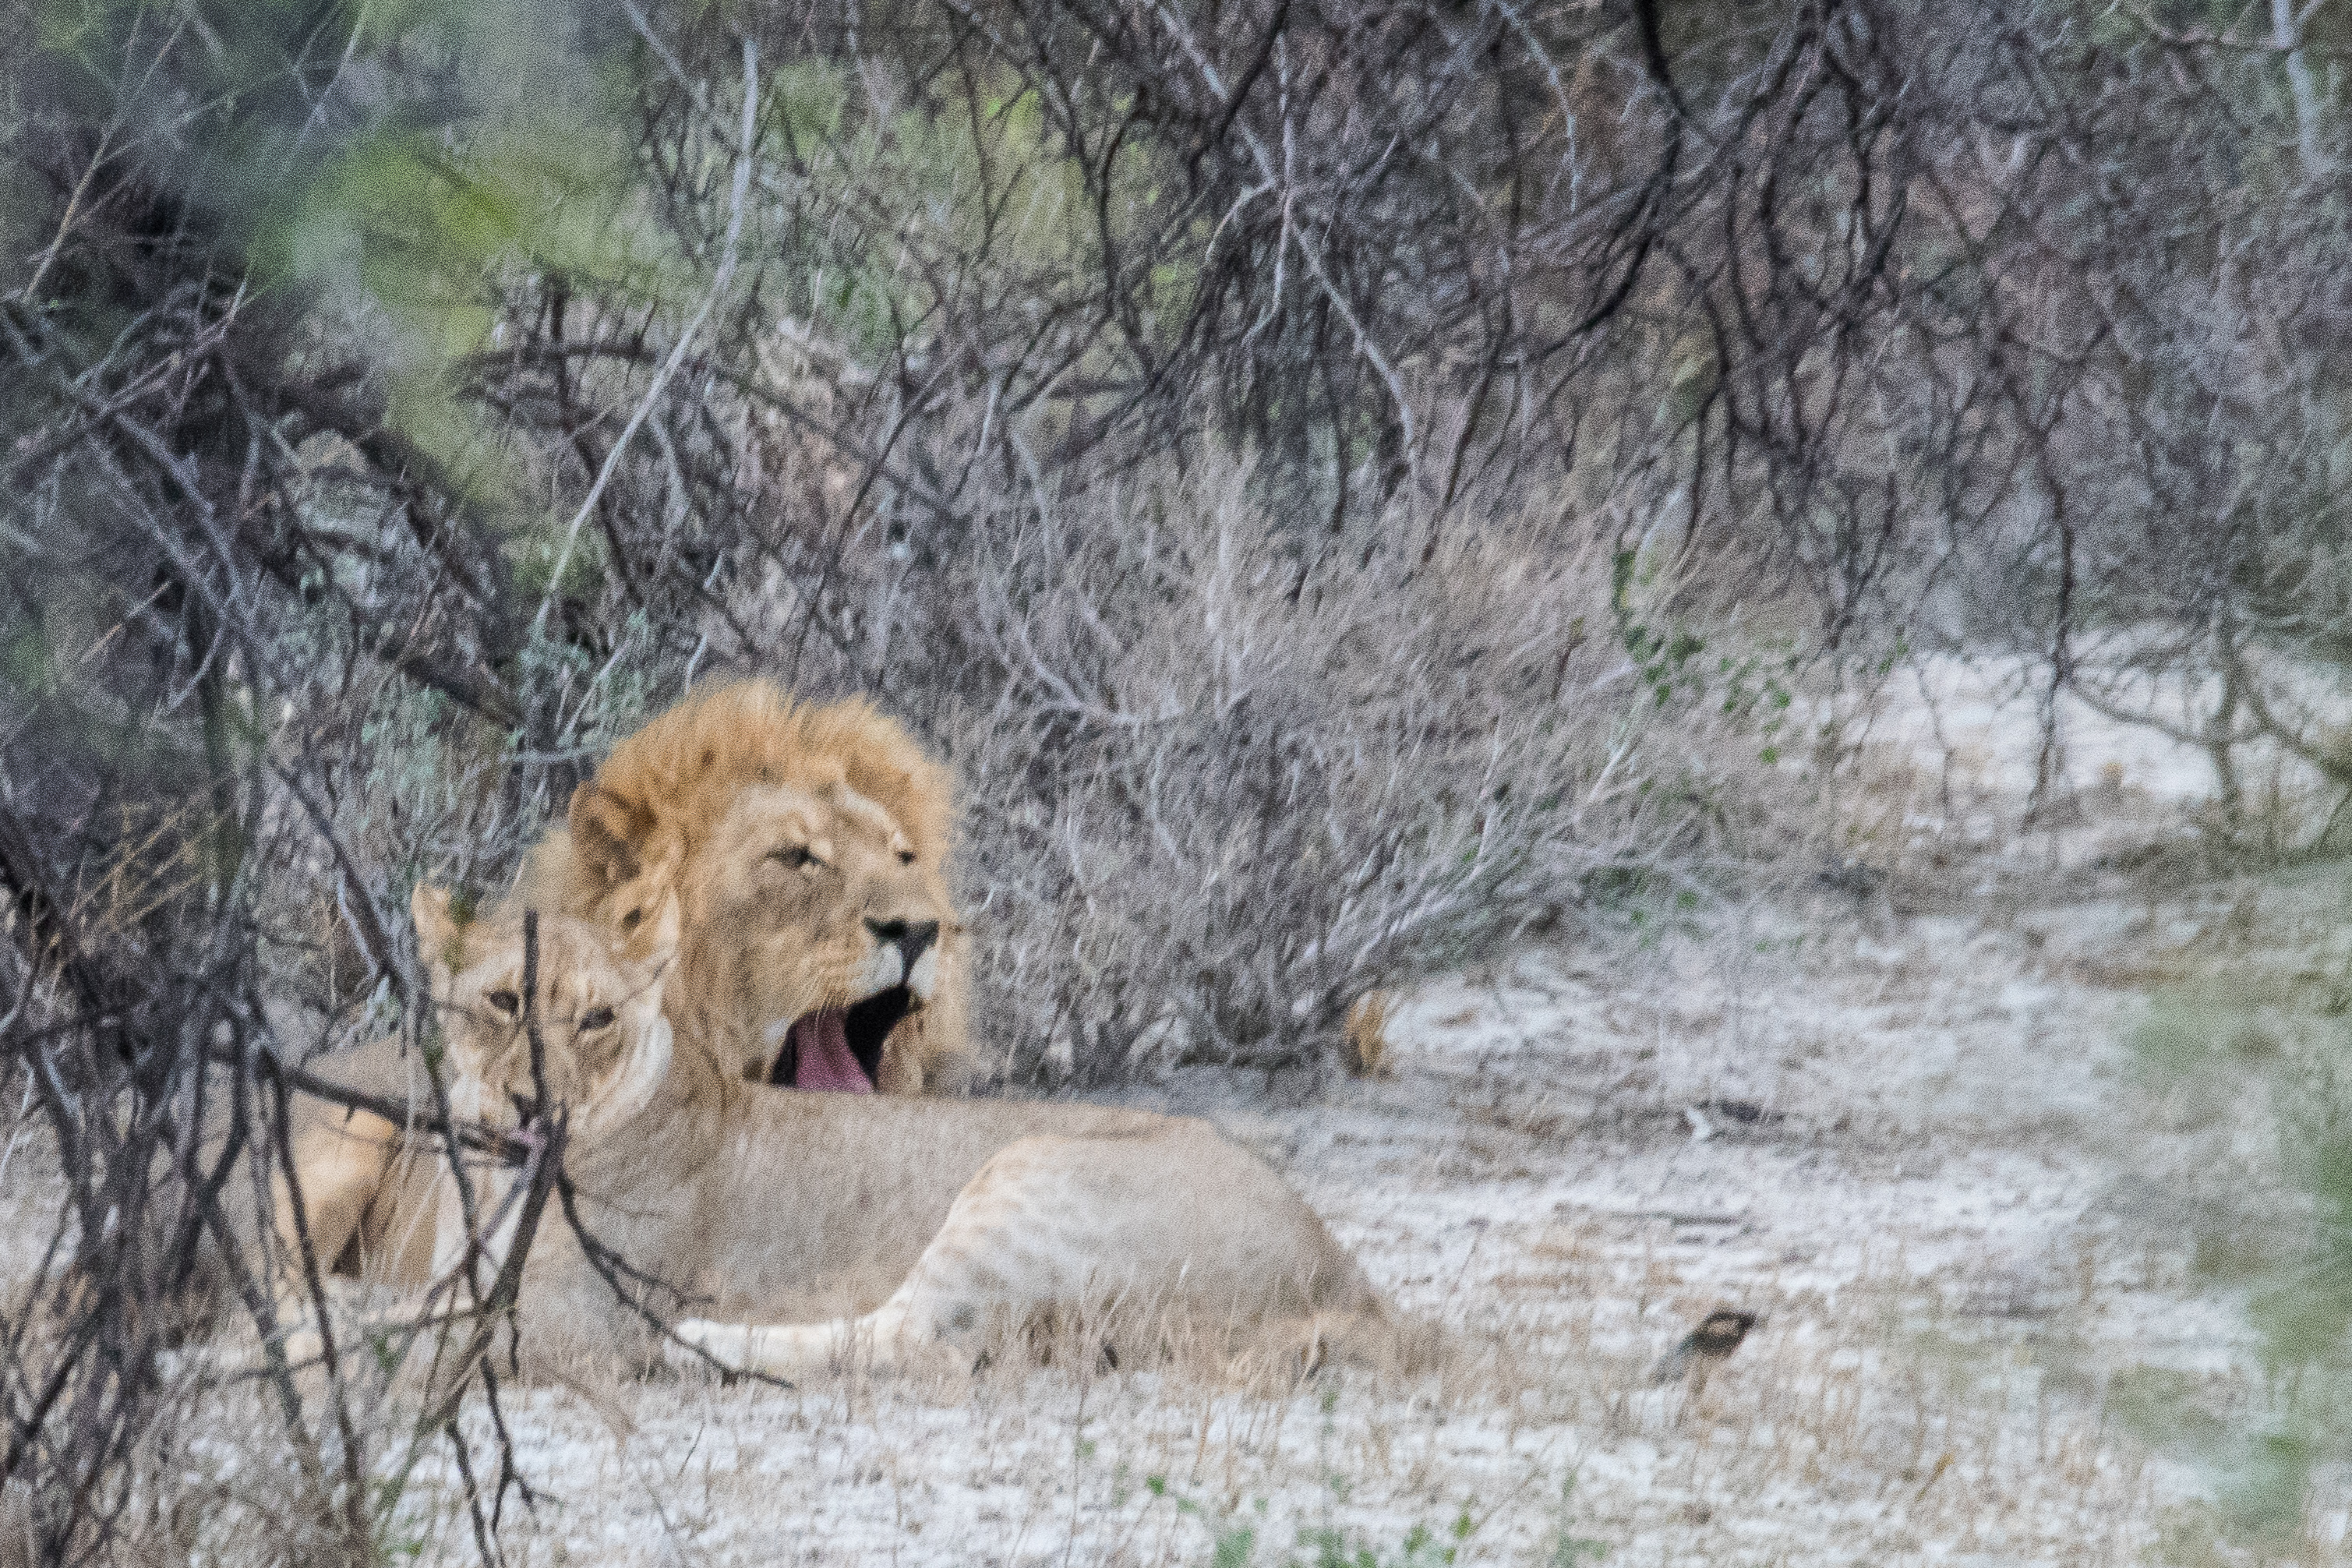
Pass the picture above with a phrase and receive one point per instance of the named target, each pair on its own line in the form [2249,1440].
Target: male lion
[856,982]
[937,1219]
[663,809]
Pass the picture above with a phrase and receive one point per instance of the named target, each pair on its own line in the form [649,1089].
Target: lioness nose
[910,937]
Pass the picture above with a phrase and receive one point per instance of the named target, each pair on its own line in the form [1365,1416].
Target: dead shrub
[1229,780]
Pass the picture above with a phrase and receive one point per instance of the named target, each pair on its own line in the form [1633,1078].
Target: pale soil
[1904,1124]
[1916,1167]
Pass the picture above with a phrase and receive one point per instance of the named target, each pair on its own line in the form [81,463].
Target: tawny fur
[660,807]
[901,1229]
[651,826]
[765,942]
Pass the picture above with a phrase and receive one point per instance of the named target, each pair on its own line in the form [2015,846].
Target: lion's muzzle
[839,1049]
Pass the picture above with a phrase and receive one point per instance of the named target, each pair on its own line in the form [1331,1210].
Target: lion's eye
[602,1018]
[905,857]
[629,921]
[506,1002]
[799,856]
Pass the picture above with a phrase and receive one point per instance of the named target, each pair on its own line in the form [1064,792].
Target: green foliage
[2180,1032]
[1422,1547]
[997,181]
[2212,1042]
[1567,1548]
[487,145]
[2163,1404]
[1234,1547]
[423,224]
[1754,687]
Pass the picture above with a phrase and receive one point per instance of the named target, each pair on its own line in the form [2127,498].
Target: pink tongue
[823,1057]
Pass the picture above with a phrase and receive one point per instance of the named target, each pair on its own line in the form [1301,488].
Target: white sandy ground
[1902,1124]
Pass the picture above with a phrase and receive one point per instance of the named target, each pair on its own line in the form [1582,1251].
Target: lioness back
[1001,1215]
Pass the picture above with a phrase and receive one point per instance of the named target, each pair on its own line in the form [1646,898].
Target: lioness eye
[905,857]
[602,1018]
[796,856]
[629,921]
[506,1002]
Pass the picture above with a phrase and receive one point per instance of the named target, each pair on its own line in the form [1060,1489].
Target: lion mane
[665,789]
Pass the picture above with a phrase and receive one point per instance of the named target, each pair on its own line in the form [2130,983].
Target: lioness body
[869,1189]
[793,1224]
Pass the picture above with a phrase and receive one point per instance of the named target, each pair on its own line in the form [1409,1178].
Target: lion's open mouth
[840,1048]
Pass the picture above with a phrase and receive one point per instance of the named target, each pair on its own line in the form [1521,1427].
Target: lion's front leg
[343,1162]
[302,1337]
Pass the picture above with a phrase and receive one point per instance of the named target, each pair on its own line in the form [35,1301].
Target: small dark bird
[1703,1350]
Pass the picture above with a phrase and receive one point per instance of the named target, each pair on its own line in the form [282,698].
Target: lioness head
[812,913]
[844,970]
[605,1045]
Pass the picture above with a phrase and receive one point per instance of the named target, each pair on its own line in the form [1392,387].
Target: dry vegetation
[1353,487]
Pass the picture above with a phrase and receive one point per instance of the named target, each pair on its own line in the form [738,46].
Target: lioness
[933,1219]
[856,982]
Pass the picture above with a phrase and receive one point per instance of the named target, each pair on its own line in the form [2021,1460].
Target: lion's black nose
[910,937]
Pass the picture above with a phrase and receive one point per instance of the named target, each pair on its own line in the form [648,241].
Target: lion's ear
[440,939]
[608,836]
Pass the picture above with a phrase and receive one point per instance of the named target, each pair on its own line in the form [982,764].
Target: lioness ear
[608,836]
[440,940]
